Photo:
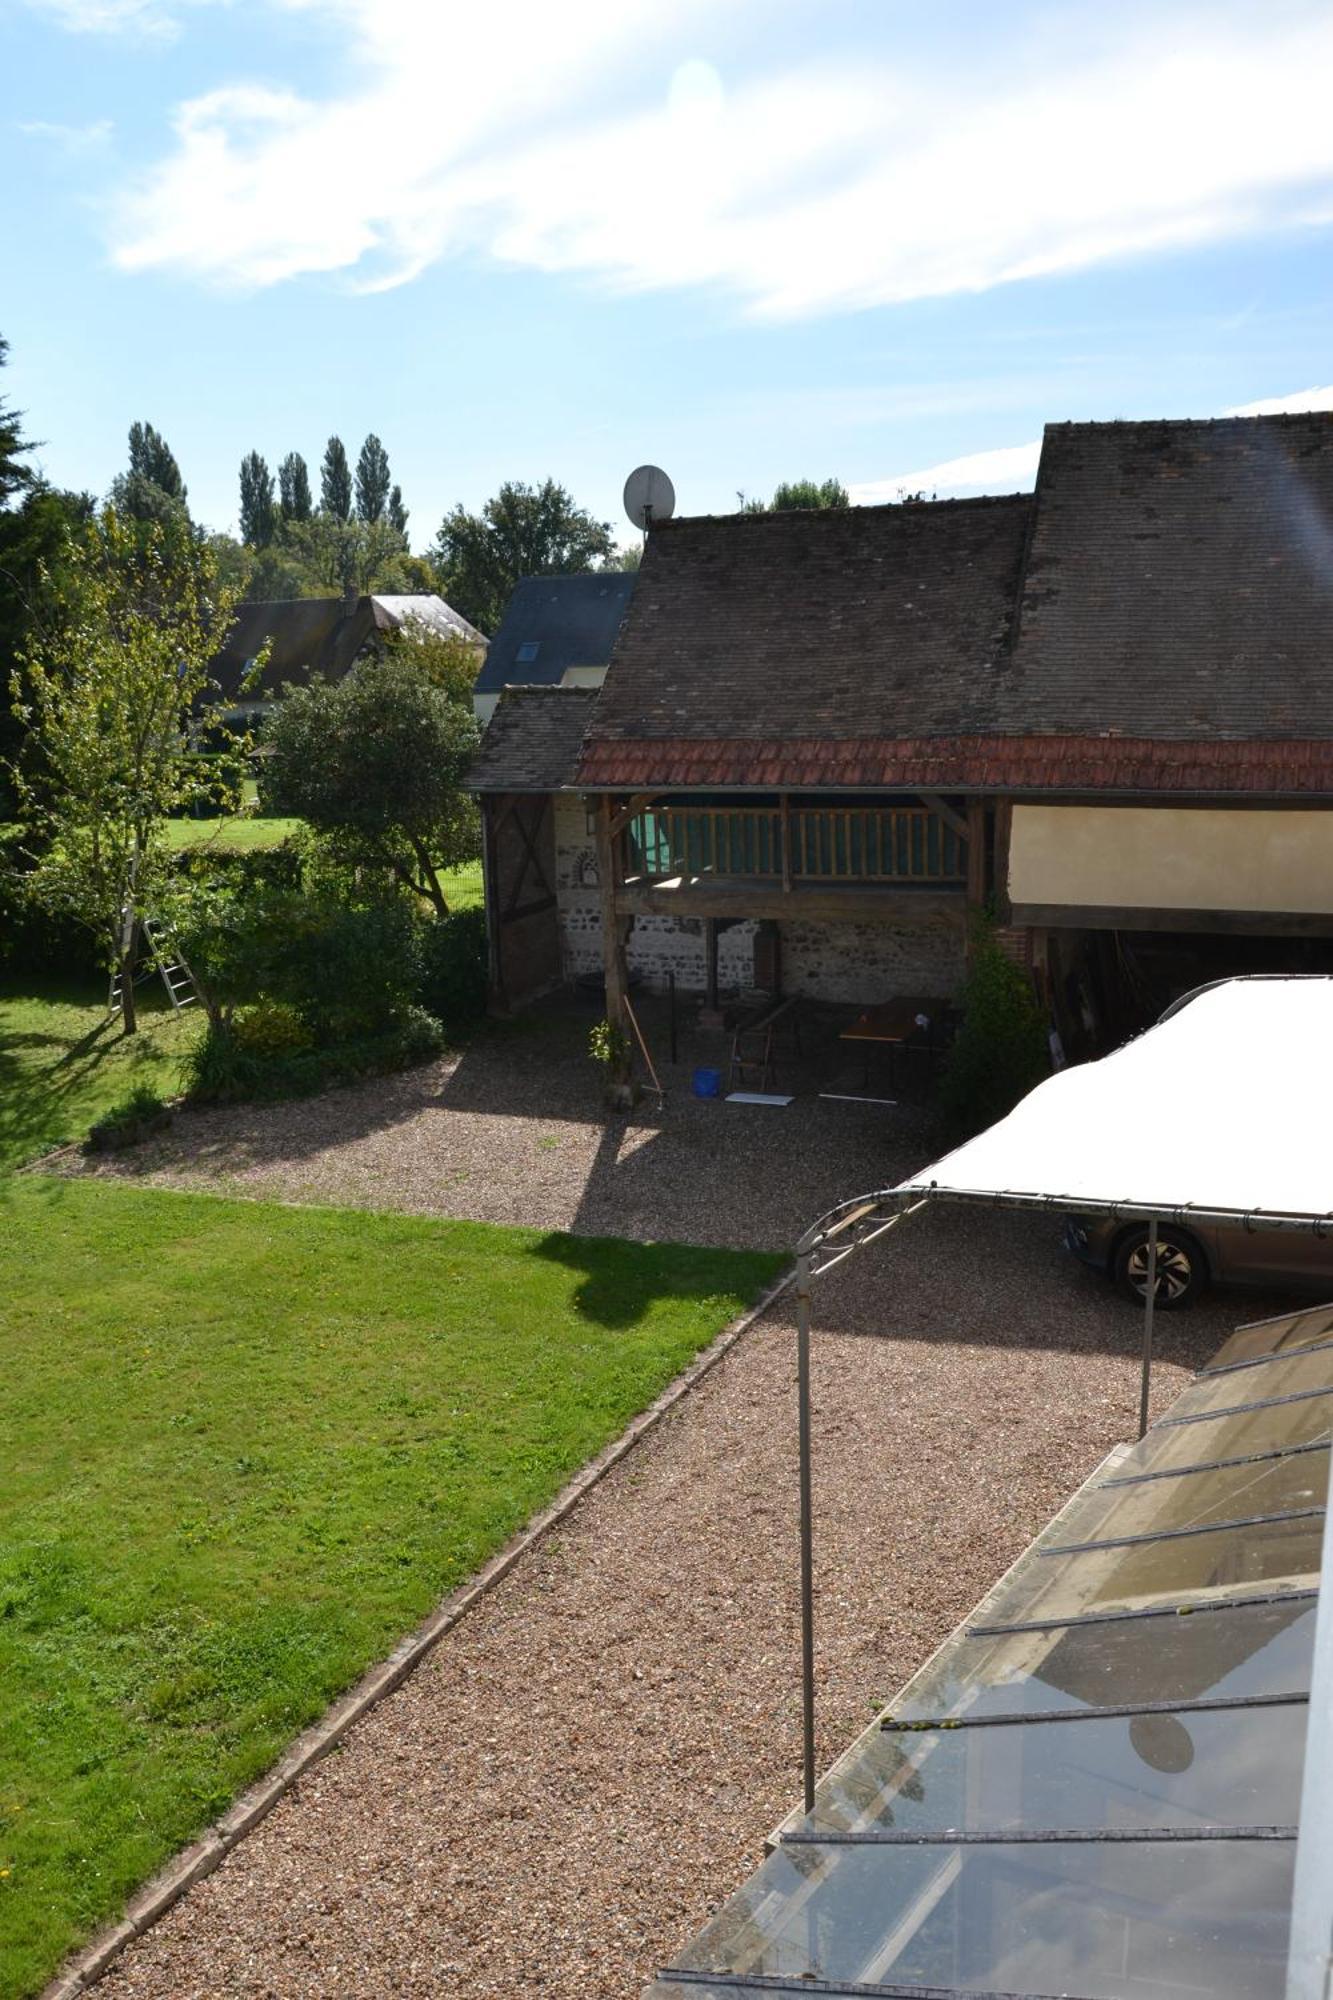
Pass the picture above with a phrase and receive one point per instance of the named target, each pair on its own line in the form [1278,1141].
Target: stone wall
[824,961]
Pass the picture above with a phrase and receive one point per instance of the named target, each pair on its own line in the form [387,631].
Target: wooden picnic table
[895,1023]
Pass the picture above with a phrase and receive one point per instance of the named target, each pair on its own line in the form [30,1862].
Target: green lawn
[245,1448]
[229,836]
[63,1061]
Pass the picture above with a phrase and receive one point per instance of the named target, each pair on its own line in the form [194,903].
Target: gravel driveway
[589,1762]
[513,1131]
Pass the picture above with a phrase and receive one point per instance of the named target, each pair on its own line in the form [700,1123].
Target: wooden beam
[621,819]
[614,967]
[499,999]
[1226,923]
[865,905]
[1004,828]
[949,814]
[976,852]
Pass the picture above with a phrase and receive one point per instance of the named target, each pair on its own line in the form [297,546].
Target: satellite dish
[649,496]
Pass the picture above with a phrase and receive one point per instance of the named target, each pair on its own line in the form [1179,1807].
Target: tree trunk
[129,1019]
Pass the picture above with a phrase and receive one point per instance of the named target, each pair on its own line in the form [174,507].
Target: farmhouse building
[1104,709]
[319,638]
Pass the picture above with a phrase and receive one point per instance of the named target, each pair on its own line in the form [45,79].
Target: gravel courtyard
[513,1130]
[589,1762]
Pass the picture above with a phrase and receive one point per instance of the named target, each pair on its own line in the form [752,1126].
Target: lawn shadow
[622,1280]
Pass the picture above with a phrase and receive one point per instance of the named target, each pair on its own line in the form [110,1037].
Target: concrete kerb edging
[203,1855]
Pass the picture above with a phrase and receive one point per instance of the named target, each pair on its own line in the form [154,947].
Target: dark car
[1188,1260]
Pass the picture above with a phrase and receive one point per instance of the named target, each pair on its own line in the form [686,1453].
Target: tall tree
[398,513]
[152,489]
[294,488]
[523,531]
[152,458]
[372,480]
[335,481]
[107,695]
[259,518]
[816,494]
[377,763]
[15,477]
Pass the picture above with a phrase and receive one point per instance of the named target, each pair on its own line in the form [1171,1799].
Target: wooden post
[710,1014]
[976,866]
[491,893]
[613,956]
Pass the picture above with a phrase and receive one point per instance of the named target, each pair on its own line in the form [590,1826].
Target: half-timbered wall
[861,962]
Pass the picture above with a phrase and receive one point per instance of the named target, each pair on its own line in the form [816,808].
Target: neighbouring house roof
[1179,583]
[320,636]
[533,739]
[552,623]
[763,644]
[1157,616]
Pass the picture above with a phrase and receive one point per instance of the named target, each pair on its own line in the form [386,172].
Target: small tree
[398,514]
[106,694]
[376,763]
[1001,1051]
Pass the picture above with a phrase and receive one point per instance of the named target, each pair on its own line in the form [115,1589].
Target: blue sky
[748,239]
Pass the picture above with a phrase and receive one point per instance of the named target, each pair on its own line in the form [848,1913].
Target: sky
[747,240]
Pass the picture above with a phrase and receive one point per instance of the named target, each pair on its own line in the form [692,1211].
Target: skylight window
[529,650]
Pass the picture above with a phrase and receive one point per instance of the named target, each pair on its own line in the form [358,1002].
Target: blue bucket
[708,1083]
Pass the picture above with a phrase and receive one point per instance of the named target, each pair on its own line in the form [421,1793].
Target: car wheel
[1182,1268]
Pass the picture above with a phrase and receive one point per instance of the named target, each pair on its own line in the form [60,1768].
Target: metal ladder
[167,959]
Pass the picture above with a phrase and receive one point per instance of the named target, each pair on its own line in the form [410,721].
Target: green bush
[128,1120]
[349,972]
[227,1066]
[453,969]
[271,1028]
[1001,1051]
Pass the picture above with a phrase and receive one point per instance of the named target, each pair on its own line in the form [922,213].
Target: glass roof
[1092,1789]
[1275,1336]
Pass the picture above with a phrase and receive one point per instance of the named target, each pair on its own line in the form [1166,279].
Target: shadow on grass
[622,1281]
[53,1083]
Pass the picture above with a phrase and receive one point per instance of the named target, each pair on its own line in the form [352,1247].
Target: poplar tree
[335,481]
[372,480]
[259,518]
[294,488]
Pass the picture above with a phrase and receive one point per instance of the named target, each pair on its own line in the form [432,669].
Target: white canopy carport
[1226,1106]
[1222,1112]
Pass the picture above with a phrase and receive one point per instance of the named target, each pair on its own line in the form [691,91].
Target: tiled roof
[1179,582]
[571,621]
[974,762]
[1164,600]
[319,635]
[532,741]
[864,621]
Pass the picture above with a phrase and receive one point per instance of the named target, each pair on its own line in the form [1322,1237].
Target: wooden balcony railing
[803,844]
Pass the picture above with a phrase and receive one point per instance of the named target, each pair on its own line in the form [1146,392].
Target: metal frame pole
[807,1532]
[1310,1956]
[1149,1301]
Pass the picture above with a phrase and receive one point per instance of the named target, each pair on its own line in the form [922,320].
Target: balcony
[762,860]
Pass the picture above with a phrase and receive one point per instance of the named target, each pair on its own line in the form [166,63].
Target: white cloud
[155,19]
[1005,470]
[72,140]
[1277,406]
[1010,468]
[591,139]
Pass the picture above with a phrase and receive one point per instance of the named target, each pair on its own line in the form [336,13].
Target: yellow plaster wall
[1172,858]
